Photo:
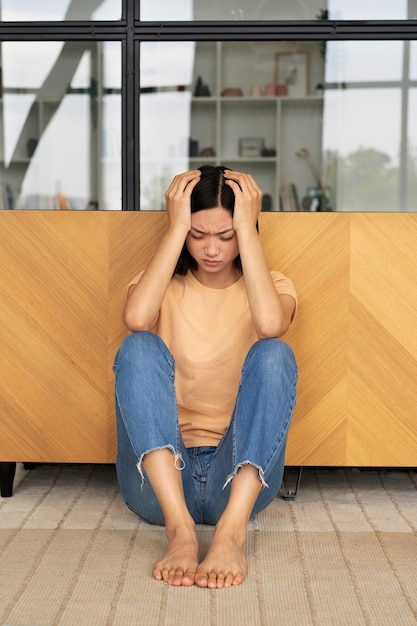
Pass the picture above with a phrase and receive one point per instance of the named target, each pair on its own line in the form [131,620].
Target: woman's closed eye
[222,238]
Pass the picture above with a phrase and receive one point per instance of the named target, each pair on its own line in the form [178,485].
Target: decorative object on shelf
[322,191]
[232,92]
[270,89]
[268,152]
[256,91]
[310,204]
[312,200]
[281,90]
[289,197]
[251,147]
[201,89]
[266,203]
[291,70]
[193,147]
[208,153]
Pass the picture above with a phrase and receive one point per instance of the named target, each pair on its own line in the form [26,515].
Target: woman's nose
[211,247]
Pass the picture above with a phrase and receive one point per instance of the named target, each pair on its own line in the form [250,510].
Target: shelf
[254,99]
[281,123]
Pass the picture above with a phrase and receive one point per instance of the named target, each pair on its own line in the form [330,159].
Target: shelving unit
[284,124]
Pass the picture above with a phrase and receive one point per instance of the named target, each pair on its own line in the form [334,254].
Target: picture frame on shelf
[250,147]
[291,71]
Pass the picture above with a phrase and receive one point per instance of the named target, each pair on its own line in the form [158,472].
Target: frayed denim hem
[261,475]
[179,462]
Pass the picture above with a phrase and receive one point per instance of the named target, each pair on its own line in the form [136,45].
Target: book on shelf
[289,198]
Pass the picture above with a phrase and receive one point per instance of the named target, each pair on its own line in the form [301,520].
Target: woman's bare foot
[225,563]
[179,563]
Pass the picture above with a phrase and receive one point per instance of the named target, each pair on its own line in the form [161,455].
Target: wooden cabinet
[64,276]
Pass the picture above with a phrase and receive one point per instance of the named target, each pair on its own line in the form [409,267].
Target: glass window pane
[356,61]
[166,10]
[413,60]
[360,10]
[362,131]
[59,10]
[319,127]
[60,125]
[412,153]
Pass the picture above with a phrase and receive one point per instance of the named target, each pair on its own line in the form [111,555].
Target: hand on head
[248,198]
[178,198]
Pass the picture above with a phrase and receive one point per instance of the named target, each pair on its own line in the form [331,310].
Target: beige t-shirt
[209,332]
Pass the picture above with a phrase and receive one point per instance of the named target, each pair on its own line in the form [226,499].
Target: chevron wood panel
[53,334]
[134,237]
[382,377]
[64,277]
[313,250]
[354,338]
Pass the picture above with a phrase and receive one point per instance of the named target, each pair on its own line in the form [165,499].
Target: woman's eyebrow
[221,232]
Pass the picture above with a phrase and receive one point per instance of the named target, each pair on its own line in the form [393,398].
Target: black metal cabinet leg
[7,472]
[290,494]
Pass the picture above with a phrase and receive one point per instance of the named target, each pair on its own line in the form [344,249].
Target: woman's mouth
[210,262]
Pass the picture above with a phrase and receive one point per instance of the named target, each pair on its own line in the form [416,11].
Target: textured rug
[344,552]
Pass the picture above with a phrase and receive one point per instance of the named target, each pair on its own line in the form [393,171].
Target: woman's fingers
[181,182]
[245,183]
[178,197]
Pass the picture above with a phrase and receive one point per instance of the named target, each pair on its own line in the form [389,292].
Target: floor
[344,552]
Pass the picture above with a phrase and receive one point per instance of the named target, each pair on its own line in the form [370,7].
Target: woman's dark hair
[210,192]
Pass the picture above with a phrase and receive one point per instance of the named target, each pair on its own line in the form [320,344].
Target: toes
[175,577]
[157,573]
[216,580]
[238,579]
[201,580]
[178,577]
[188,578]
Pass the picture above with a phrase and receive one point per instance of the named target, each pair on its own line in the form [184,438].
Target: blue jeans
[147,419]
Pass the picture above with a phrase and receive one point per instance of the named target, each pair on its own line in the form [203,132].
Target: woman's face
[212,240]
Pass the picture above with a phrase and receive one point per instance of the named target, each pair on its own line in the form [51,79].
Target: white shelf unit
[284,123]
[39,115]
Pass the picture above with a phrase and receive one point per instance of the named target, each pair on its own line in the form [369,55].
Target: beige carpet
[345,552]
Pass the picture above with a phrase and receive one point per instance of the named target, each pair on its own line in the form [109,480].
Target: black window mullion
[130,114]
[62,31]
[276,30]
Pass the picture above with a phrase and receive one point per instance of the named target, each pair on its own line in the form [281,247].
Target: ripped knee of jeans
[261,475]
[179,462]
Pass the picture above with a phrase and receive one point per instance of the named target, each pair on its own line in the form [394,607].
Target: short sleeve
[284,285]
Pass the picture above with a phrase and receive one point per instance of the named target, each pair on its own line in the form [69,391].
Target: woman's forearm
[145,298]
[271,313]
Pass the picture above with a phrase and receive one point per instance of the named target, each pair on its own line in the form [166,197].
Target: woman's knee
[139,341]
[270,354]
[138,347]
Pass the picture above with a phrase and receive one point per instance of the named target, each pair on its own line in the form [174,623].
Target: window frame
[130,31]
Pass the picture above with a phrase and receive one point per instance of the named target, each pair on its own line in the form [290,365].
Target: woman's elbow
[273,333]
[135,322]
[272,328]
